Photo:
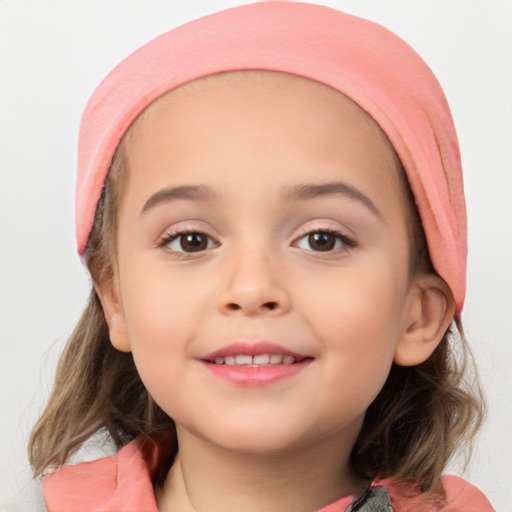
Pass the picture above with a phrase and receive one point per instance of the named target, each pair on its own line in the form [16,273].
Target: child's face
[297,236]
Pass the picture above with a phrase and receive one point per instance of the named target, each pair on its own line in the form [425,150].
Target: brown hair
[420,418]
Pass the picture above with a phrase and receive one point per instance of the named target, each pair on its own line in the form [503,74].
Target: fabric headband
[359,58]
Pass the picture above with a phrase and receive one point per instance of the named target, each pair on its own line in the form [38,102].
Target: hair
[420,418]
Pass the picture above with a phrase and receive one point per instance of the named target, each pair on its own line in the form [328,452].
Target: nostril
[268,306]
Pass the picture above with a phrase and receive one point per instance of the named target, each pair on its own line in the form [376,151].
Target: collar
[126,479]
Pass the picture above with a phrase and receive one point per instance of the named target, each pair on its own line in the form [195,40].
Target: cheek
[358,317]
[161,314]
[158,329]
[364,299]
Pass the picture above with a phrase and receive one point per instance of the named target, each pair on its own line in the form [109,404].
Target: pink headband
[361,59]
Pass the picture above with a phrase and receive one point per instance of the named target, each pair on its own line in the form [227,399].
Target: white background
[53,54]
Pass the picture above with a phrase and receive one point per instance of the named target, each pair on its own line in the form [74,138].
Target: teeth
[243,360]
[260,359]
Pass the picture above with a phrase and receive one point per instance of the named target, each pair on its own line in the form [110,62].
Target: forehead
[253,85]
[247,115]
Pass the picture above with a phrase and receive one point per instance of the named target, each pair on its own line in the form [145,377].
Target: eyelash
[347,242]
[168,238]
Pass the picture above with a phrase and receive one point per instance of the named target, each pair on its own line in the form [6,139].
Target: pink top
[124,482]
[361,59]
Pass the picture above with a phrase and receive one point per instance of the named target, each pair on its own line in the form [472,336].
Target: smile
[255,364]
[258,360]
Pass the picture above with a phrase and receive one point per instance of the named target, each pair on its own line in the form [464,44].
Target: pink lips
[262,373]
[253,349]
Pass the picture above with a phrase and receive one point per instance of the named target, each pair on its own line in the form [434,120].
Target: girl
[270,204]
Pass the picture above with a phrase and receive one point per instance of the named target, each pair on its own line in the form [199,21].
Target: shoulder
[29,499]
[116,480]
[94,466]
[461,496]
[74,483]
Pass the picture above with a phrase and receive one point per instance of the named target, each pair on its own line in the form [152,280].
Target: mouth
[260,353]
[255,364]
[257,360]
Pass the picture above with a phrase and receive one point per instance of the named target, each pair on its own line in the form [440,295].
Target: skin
[250,139]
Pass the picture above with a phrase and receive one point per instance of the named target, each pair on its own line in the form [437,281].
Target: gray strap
[373,500]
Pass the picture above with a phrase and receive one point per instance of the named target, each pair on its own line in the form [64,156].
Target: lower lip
[256,375]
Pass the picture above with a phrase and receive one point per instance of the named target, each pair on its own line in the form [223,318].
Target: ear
[110,298]
[430,312]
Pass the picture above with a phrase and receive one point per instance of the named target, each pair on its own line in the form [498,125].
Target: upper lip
[252,349]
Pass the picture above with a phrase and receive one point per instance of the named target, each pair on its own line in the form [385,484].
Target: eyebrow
[314,191]
[301,192]
[166,195]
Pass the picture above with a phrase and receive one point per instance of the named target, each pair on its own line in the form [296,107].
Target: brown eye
[193,242]
[324,241]
[190,242]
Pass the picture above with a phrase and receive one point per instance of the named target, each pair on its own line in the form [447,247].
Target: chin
[263,445]
[264,438]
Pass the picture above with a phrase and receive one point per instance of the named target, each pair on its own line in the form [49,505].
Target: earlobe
[109,296]
[430,312]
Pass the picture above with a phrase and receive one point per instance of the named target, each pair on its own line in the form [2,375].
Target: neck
[205,478]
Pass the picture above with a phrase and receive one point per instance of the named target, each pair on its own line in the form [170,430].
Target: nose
[254,288]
